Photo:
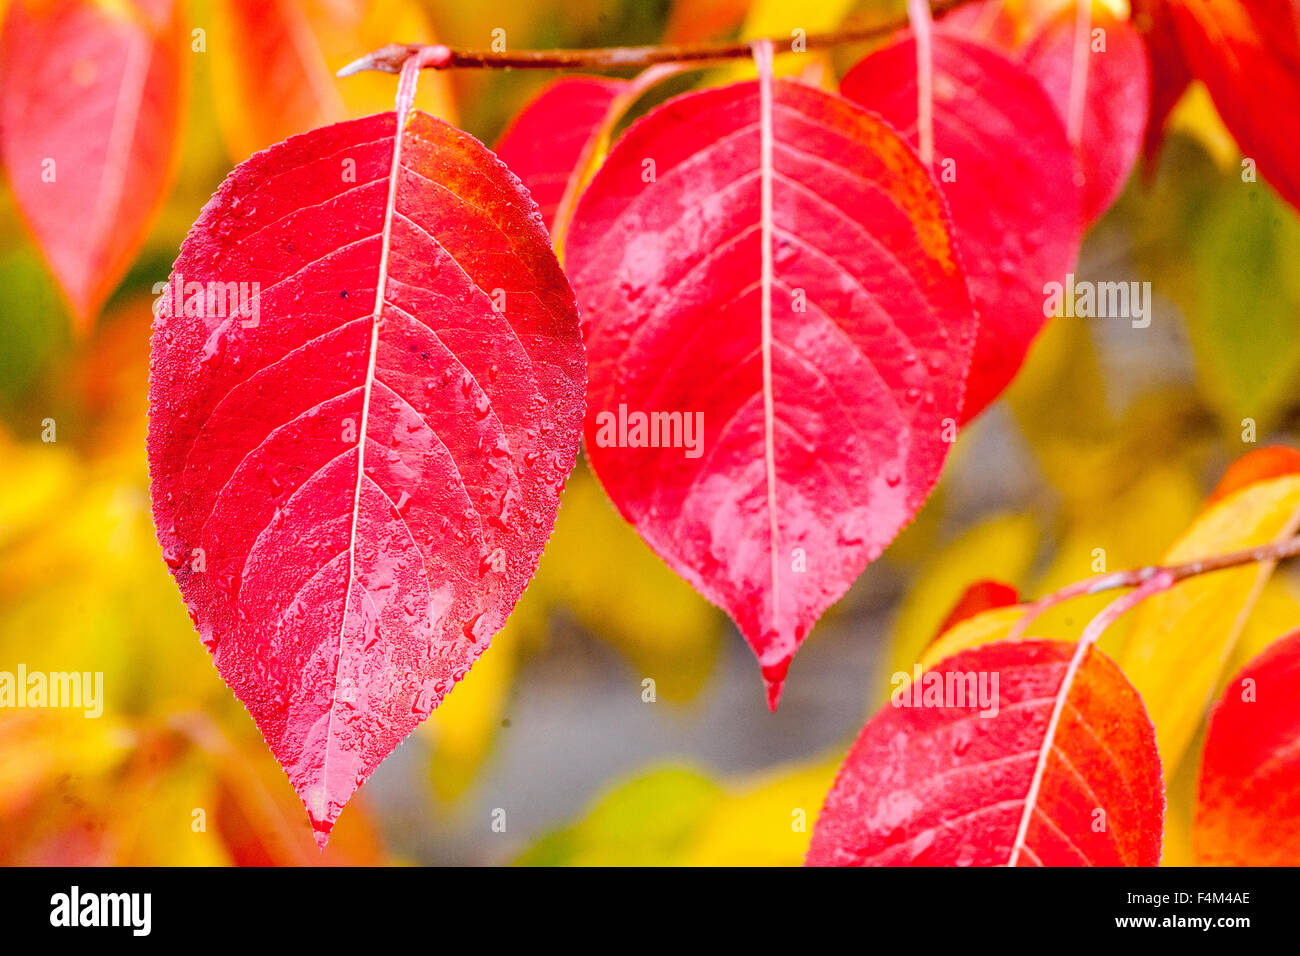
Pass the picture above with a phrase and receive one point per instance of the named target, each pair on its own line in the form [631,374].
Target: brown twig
[1169,576]
[389,59]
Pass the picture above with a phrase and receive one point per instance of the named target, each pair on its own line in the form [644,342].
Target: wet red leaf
[941,785]
[1006,170]
[1247,52]
[821,423]
[546,140]
[368,479]
[1248,803]
[90,109]
[1170,75]
[1115,100]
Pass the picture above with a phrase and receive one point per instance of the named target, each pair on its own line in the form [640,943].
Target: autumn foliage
[773,296]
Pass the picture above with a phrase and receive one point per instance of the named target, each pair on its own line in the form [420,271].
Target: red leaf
[821,430]
[941,785]
[546,140]
[1248,804]
[1115,99]
[1170,75]
[90,107]
[1005,168]
[348,585]
[1247,52]
[979,597]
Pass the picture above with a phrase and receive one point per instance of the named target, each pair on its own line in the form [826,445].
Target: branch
[389,59]
[1166,577]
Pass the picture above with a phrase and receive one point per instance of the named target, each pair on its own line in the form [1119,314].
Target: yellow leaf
[984,628]
[644,821]
[465,724]
[766,821]
[1087,452]
[1127,528]
[157,822]
[780,19]
[37,747]
[621,592]
[34,477]
[273,66]
[676,816]
[1276,614]
[1181,640]
[1195,115]
[1059,401]
[999,548]
[1124,533]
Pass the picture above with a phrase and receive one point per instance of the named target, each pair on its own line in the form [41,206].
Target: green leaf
[1225,252]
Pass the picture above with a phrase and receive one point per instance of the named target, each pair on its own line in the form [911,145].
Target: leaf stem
[1079,71]
[1169,576]
[1154,584]
[389,59]
[918,12]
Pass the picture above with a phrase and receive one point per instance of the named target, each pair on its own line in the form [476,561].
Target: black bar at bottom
[331,907]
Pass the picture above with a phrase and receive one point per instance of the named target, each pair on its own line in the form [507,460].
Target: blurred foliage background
[1110,439]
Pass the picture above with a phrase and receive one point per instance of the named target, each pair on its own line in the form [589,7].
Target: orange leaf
[1247,52]
[274,63]
[1248,804]
[1271,462]
[1001,755]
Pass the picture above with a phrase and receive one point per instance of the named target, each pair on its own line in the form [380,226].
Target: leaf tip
[774,679]
[322,839]
[360,65]
[321,829]
[322,812]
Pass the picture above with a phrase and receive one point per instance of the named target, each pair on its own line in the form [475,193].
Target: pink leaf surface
[773,263]
[354,483]
[546,140]
[1115,97]
[1006,170]
[91,98]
